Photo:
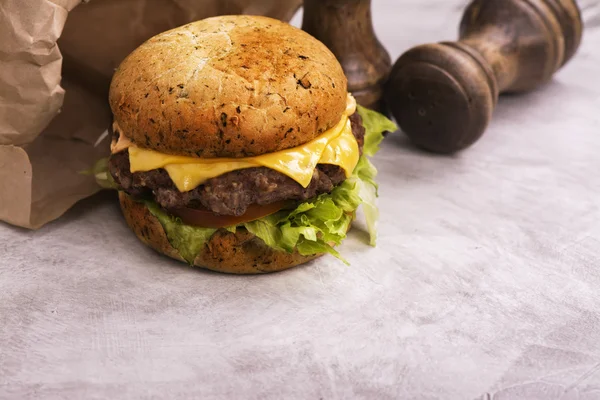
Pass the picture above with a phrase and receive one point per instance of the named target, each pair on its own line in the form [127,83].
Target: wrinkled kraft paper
[56,61]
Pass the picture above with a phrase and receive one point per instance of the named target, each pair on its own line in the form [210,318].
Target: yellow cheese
[337,146]
[342,151]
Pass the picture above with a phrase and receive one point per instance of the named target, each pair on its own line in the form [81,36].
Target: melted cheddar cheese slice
[336,146]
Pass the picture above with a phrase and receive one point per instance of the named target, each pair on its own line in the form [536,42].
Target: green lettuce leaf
[103,177]
[368,191]
[187,240]
[267,230]
[232,229]
[308,248]
[315,226]
[375,125]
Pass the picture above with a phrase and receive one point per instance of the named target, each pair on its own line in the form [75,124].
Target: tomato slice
[207,219]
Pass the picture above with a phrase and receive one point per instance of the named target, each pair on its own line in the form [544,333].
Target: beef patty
[232,192]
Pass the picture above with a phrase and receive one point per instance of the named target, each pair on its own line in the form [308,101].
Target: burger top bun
[228,86]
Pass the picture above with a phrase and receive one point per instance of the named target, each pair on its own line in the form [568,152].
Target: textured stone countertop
[485,283]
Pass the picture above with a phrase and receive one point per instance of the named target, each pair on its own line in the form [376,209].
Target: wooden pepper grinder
[346,28]
[443,95]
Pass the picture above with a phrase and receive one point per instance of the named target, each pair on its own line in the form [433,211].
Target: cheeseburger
[236,146]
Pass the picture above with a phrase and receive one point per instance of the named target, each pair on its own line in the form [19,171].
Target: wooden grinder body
[443,95]
[346,28]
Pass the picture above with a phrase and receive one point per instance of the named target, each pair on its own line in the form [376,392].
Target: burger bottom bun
[227,252]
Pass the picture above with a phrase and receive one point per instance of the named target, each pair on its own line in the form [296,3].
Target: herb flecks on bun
[236,146]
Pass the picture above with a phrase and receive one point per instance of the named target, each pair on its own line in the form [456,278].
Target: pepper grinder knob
[443,95]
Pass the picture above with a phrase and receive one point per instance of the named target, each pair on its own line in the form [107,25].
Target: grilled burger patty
[232,192]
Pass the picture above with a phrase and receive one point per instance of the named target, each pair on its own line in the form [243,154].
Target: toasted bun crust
[228,86]
[234,253]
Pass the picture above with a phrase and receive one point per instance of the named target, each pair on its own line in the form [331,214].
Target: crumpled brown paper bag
[56,61]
